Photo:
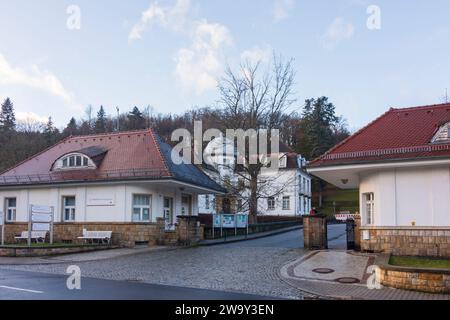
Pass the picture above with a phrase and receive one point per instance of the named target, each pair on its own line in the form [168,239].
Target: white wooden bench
[103,236]
[38,236]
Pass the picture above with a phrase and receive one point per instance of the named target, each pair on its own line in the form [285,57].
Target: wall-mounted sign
[101,201]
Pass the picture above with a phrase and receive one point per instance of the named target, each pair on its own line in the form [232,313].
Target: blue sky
[169,54]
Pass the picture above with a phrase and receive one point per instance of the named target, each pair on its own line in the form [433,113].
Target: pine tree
[51,134]
[100,123]
[7,116]
[71,128]
[136,120]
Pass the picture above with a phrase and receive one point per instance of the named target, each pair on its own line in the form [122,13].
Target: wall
[119,211]
[407,196]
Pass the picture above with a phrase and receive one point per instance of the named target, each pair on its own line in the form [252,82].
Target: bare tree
[255,99]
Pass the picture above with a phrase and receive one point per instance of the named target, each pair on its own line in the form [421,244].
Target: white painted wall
[407,195]
[120,211]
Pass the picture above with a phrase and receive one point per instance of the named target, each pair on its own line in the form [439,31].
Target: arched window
[74,161]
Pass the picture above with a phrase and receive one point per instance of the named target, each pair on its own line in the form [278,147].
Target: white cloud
[34,78]
[338,31]
[257,54]
[281,9]
[30,117]
[199,65]
[173,17]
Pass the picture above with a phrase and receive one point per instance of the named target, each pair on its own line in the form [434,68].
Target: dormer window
[74,161]
[442,135]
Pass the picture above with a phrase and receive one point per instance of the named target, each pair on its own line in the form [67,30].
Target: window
[69,209]
[141,208]
[286,203]
[271,203]
[11,206]
[74,161]
[369,207]
[207,202]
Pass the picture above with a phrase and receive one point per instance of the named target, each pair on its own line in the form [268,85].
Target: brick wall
[408,241]
[315,232]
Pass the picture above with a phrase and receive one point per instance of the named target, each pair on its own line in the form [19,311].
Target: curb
[280,231]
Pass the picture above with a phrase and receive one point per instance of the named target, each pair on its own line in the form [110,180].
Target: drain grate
[347,280]
[323,270]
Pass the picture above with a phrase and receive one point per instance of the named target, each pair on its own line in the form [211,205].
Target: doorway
[168,214]
[186,205]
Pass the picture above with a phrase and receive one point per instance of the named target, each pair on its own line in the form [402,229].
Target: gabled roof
[133,155]
[397,135]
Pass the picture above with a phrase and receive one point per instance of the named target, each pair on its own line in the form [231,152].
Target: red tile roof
[129,155]
[398,134]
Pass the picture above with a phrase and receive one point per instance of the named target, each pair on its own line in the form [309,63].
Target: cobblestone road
[247,267]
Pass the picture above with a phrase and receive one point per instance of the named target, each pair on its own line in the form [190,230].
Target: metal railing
[86,175]
[382,152]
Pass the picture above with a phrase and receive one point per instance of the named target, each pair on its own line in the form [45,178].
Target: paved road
[25,285]
[230,270]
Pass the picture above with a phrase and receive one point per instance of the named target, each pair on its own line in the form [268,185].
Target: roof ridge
[163,158]
[115,133]
[353,135]
[417,108]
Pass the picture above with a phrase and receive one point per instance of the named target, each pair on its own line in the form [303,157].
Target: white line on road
[21,289]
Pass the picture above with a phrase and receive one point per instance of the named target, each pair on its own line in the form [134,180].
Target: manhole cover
[323,270]
[347,280]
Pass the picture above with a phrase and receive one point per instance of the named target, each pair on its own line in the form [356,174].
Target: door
[168,214]
[186,205]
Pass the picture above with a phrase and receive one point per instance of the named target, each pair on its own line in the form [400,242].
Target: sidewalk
[80,257]
[249,237]
[347,266]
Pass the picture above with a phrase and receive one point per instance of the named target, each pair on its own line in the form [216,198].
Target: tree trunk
[253,205]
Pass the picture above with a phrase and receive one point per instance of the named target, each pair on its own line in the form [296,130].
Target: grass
[420,262]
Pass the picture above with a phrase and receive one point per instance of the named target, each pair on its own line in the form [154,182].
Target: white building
[401,164]
[119,179]
[286,192]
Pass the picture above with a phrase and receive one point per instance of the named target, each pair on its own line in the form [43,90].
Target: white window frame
[369,207]
[207,204]
[141,208]
[271,203]
[286,203]
[72,209]
[64,163]
[9,208]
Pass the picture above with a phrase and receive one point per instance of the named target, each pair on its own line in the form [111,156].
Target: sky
[57,57]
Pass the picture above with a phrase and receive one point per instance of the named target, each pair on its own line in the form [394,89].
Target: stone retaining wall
[43,251]
[408,241]
[123,234]
[417,279]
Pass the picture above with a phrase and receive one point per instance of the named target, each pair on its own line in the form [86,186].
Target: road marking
[21,289]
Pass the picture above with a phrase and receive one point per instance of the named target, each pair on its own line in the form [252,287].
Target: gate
[350,230]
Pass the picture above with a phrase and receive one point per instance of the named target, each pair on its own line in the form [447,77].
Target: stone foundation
[123,234]
[408,241]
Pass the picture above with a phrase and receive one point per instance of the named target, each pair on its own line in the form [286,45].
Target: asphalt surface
[245,270]
[24,285]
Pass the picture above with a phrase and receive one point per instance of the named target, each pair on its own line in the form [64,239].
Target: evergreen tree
[71,128]
[100,123]
[136,120]
[51,134]
[7,116]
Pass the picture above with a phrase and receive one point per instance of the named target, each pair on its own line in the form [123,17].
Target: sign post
[41,218]
[2,223]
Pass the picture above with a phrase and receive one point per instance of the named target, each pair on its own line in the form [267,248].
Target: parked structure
[121,182]
[401,164]
[286,192]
